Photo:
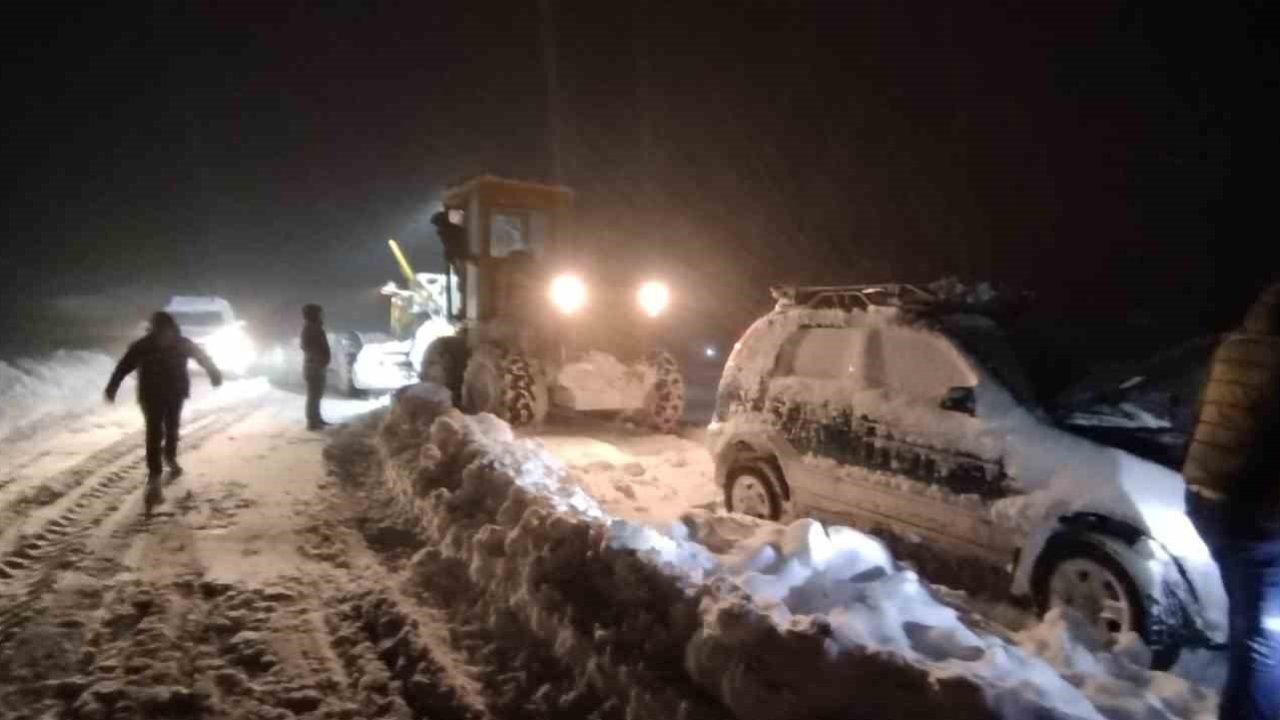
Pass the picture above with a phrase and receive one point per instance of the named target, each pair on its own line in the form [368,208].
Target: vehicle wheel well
[743,453]
[1159,613]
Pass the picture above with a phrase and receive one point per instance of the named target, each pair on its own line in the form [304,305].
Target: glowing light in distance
[653,297]
[568,293]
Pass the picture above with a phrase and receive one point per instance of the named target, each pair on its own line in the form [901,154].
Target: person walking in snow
[160,357]
[1232,471]
[315,362]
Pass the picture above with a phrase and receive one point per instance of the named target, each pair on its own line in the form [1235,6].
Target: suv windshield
[198,318]
[983,341]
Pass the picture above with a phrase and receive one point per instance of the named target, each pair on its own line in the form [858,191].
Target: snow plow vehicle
[906,414]
[532,334]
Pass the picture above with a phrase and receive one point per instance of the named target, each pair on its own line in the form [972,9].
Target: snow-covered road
[273,581]
[248,594]
[289,574]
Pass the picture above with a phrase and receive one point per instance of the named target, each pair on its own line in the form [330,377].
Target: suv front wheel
[750,490]
[1082,576]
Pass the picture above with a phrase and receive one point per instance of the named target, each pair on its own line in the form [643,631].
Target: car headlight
[231,347]
[653,297]
[568,293]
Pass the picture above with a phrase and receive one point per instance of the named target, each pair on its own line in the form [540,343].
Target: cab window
[512,230]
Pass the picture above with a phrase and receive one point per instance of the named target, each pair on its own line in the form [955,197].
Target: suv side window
[817,353]
[922,367]
[811,390]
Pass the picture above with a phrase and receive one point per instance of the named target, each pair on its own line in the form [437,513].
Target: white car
[212,324]
[883,408]
[363,363]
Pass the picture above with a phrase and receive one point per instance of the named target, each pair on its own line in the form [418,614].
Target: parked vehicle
[211,323]
[907,415]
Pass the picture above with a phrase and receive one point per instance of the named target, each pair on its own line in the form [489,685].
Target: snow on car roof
[197,303]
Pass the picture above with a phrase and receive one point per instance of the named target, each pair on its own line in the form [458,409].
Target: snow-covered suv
[889,409]
[212,324]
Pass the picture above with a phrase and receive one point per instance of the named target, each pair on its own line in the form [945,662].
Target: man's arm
[127,364]
[203,360]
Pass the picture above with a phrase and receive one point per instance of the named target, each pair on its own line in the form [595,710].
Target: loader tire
[519,391]
[445,363]
[504,384]
[664,403]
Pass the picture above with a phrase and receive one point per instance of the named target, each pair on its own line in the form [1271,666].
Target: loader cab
[506,222]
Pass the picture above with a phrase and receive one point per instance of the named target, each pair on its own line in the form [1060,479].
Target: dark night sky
[1095,153]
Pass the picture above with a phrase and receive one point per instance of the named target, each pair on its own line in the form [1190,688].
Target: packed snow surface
[773,621]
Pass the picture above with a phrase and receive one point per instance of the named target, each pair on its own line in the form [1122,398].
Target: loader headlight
[568,293]
[653,297]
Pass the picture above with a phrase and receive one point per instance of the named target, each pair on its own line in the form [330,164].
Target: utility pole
[553,87]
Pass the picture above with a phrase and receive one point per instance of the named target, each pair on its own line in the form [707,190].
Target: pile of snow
[1117,680]
[650,478]
[58,385]
[599,381]
[773,621]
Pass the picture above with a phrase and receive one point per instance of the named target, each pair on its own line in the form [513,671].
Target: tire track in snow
[18,467]
[30,570]
[50,490]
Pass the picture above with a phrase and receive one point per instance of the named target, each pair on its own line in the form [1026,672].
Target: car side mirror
[960,399]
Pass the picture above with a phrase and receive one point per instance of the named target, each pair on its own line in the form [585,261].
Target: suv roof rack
[940,298]
[855,297]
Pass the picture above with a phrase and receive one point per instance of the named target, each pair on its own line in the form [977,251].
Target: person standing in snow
[315,362]
[1233,497]
[160,357]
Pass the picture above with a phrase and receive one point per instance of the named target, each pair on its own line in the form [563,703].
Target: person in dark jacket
[160,357]
[1233,497]
[453,238]
[315,362]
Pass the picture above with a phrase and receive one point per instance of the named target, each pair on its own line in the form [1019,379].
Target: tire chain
[667,407]
[518,400]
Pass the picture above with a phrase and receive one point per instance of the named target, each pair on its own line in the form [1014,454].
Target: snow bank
[1117,681]
[61,384]
[773,621]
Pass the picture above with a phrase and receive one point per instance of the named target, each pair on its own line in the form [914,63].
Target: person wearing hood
[160,358]
[315,362]
[1232,472]
[453,238]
